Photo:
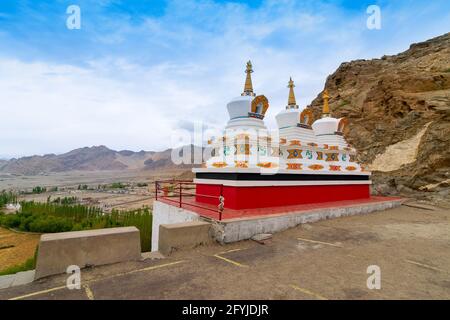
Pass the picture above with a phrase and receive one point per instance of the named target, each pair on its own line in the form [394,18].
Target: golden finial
[248,88]
[292,104]
[326,107]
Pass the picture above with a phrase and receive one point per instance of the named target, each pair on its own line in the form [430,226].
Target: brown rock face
[390,100]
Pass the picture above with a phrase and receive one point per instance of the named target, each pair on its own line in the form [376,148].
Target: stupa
[304,161]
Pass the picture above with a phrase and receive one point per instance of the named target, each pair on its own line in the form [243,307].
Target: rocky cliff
[398,109]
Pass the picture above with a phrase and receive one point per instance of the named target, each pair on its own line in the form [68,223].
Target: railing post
[156,189]
[221,202]
[180,193]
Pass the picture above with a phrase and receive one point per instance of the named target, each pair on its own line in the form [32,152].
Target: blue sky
[138,70]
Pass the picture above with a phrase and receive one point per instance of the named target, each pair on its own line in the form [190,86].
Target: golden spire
[292,104]
[248,88]
[326,107]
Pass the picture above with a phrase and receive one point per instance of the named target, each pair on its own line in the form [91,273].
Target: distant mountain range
[94,158]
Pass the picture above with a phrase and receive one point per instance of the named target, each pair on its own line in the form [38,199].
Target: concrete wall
[241,229]
[183,235]
[57,251]
[167,214]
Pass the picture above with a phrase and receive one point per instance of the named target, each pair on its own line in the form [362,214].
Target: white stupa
[245,142]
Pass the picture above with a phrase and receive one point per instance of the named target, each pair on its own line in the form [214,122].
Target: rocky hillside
[90,159]
[399,115]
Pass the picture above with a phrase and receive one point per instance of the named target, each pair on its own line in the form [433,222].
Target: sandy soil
[74,178]
[23,248]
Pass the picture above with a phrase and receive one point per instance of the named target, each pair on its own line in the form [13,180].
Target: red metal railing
[172,189]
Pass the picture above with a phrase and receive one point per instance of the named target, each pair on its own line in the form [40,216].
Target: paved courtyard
[324,260]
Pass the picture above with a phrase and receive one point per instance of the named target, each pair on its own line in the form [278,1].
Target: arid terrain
[323,260]
[137,190]
[398,110]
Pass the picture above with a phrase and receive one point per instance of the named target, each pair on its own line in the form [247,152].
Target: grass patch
[344,103]
[117,185]
[30,264]
[58,217]
[27,265]
[7,197]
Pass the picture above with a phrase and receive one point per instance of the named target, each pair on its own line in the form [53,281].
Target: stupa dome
[288,118]
[248,110]
[329,130]
[239,107]
[325,126]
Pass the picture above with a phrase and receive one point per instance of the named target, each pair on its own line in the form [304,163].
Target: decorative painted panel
[226,150]
[242,149]
[262,151]
[332,156]
[295,154]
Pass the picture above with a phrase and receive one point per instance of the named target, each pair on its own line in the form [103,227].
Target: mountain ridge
[94,158]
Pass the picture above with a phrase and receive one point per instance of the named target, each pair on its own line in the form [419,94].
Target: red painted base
[263,197]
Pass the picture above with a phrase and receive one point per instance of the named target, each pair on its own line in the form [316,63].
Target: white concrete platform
[238,229]
[243,228]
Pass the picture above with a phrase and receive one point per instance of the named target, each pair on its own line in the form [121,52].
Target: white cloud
[122,102]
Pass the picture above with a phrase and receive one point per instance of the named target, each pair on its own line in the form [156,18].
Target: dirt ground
[16,248]
[324,260]
[75,178]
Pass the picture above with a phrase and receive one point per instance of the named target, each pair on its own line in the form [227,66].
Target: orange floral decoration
[219,164]
[241,164]
[267,165]
[294,166]
[335,168]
